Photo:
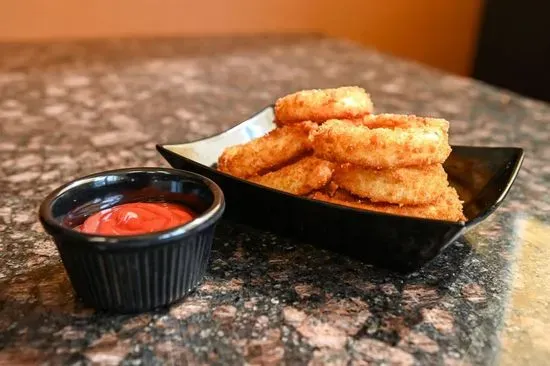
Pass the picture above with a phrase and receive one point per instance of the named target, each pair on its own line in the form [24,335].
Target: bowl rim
[207,218]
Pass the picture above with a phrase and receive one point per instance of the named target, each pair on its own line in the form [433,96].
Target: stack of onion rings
[329,146]
[390,163]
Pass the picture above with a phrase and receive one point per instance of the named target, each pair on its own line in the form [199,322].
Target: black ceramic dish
[139,272]
[482,175]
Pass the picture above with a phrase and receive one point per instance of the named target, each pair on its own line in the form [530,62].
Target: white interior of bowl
[207,151]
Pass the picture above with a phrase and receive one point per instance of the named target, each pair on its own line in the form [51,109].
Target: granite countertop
[67,110]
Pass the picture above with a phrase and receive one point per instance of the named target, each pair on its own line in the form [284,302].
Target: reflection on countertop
[71,109]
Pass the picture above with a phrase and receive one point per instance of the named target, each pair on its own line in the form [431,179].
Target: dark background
[514,46]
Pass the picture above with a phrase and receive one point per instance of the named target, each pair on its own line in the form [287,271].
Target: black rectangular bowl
[482,176]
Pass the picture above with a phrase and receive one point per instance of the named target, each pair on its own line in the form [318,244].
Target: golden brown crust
[448,207]
[331,188]
[270,151]
[406,186]
[402,121]
[342,194]
[343,141]
[300,178]
[319,105]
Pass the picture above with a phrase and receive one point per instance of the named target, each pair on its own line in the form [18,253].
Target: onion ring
[448,207]
[404,186]
[402,121]
[300,178]
[268,152]
[319,105]
[344,141]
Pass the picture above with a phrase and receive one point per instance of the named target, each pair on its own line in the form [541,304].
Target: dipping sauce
[136,218]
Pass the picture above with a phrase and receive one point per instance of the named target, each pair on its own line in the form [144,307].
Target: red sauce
[136,218]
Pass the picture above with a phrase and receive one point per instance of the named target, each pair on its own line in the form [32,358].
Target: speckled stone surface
[67,110]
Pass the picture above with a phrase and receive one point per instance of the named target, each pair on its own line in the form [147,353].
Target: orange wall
[441,33]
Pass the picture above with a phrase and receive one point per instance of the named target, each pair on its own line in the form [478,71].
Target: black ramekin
[140,272]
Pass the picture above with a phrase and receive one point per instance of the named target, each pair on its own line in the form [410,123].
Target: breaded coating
[343,141]
[331,188]
[268,152]
[448,207]
[342,194]
[405,186]
[402,121]
[300,178]
[319,105]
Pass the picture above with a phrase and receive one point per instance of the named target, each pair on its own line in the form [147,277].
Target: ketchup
[136,218]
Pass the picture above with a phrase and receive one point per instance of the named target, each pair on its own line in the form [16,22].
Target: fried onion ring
[405,186]
[344,141]
[319,105]
[448,207]
[300,178]
[268,152]
[403,121]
